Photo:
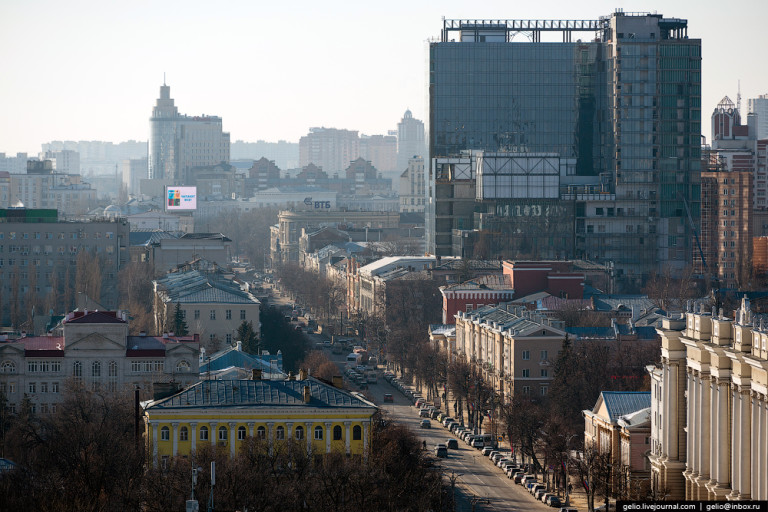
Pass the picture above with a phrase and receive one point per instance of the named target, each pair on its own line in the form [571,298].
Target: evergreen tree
[565,390]
[179,324]
[247,335]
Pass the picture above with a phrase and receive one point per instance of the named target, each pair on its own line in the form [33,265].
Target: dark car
[453,444]
[388,397]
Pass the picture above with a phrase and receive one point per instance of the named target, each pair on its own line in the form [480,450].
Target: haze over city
[87,70]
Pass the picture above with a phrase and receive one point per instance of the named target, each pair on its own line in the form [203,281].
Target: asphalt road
[477,478]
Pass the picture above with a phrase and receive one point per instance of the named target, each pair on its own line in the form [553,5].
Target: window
[545,373]
[32,387]
[543,390]
[43,387]
[318,433]
[544,354]
[229,338]
[242,314]
[261,433]
[228,314]
[240,433]
[526,372]
[197,314]
[54,387]
[526,390]
[337,433]
[280,433]
[203,433]
[96,369]
[213,314]
[299,433]
[183,434]
[357,433]
[182,366]
[8,367]
[77,369]
[526,355]
[165,434]
[222,433]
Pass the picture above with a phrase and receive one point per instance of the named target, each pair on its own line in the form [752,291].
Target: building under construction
[570,149]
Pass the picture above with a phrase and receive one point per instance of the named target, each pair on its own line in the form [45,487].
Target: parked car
[503,462]
[441,450]
[488,451]
[496,457]
[514,472]
[388,397]
[446,420]
[424,413]
[553,501]
[478,442]
[539,492]
[518,478]
[425,424]
[453,444]
[537,487]
[545,496]
[434,413]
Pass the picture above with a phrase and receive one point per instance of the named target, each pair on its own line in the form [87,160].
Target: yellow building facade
[225,413]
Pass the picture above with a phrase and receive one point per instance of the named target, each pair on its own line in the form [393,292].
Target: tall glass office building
[618,115]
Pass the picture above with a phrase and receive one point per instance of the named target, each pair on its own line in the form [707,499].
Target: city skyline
[331,64]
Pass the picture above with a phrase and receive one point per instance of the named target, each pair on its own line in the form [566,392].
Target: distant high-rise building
[66,160]
[758,107]
[381,150]
[134,170]
[330,148]
[410,140]
[593,147]
[179,143]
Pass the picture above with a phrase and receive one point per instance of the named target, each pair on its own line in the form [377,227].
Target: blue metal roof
[260,393]
[233,357]
[619,403]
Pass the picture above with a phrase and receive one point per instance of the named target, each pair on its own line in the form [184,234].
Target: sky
[91,70]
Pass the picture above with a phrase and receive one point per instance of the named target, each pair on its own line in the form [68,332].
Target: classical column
[175,434]
[689,473]
[745,469]
[193,433]
[270,427]
[310,435]
[328,426]
[232,438]
[288,430]
[347,436]
[760,454]
[250,424]
[755,441]
[705,415]
[365,438]
[722,445]
[736,453]
[212,427]
[154,442]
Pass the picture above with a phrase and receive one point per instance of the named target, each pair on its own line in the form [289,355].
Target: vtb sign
[317,204]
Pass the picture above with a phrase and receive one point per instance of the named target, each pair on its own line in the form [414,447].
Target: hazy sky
[91,70]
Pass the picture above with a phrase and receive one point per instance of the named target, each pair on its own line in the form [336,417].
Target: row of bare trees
[84,457]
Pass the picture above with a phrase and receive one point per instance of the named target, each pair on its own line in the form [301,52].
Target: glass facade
[625,107]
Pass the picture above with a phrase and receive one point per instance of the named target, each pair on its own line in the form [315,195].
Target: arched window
[112,370]
[8,367]
[96,369]
[318,433]
[240,433]
[357,433]
[280,433]
[77,369]
[182,366]
[165,434]
[261,433]
[299,432]
[203,433]
[222,433]
[183,434]
[337,433]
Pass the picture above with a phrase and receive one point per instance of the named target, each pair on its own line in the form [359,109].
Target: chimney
[291,376]
[239,346]
[338,382]
[256,374]
[307,395]
[302,374]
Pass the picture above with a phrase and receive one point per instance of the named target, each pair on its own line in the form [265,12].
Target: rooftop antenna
[738,97]
[163,77]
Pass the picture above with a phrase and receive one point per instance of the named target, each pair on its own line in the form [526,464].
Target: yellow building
[226,412]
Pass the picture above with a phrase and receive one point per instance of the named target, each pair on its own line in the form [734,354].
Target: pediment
[11,349]
[180,349]
[95,341]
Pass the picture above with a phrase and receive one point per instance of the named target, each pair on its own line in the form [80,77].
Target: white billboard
[181,198]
